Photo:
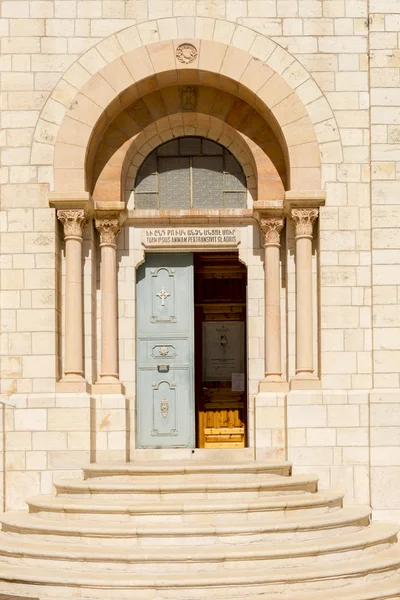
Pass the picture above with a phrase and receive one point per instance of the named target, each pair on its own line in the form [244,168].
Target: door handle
[163,368]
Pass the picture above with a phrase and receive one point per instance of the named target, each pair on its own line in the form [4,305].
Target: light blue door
[165,349]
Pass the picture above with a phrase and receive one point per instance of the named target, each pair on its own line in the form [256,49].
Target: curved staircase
[173,531]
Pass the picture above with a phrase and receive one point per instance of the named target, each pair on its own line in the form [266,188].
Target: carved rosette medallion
[186,53]
[271,228]
[304,219]
[74,221]
[108,229]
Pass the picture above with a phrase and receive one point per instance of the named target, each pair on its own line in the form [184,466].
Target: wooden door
[220,350]
[165,344]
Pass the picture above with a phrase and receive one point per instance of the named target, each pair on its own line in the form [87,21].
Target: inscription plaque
[223,353]
[190,236]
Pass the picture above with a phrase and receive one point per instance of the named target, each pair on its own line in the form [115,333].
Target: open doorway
[220,283]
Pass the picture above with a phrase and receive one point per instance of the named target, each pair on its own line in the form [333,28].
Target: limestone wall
[350,432]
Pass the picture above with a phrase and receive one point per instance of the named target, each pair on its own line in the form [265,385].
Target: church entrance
[191,351]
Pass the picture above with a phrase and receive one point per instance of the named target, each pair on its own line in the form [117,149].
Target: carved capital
[271,228]
[108,228]
[304,219]
[74,221]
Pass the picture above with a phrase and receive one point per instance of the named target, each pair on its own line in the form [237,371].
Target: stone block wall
[350,432]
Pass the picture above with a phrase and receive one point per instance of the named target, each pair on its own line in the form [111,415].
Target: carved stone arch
[118,177]
[128,64]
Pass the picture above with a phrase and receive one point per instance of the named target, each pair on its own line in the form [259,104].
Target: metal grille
[190,172]
[208,191]
[146,201]
[146,181]
[174,178]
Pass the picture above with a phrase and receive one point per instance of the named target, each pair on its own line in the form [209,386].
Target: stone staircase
[184,531]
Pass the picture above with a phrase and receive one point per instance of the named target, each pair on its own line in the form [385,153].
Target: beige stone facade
[306,95]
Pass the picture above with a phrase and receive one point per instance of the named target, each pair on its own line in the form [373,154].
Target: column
[74,221]
[271,228]
[304,219]
[109,379]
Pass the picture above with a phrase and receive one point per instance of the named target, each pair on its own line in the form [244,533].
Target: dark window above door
[190,172]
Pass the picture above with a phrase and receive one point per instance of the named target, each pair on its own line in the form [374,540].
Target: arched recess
[138,60]
[117,177]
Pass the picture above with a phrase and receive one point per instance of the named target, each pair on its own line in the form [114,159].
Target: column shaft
[271,227]
[73,308]
[73,221]
[109,229]
[109,333]
[304,308]
[304,219]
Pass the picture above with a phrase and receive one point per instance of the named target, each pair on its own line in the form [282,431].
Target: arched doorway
[191,307]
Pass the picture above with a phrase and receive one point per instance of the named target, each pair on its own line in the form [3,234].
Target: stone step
[188,455]
[163,490]
[370,540]
[44,583]
[187,472]
[103,533]
[177,512]
[384,589]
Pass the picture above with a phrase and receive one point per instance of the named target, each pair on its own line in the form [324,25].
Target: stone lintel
[272,206]
[190,218]
[72,200]
[107,206]
[306,198]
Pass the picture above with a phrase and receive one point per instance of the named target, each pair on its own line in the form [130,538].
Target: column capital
[304,219]
[74,221]
[271,228]
[109,228]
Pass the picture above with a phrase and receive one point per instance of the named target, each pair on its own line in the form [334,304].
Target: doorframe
[249,242]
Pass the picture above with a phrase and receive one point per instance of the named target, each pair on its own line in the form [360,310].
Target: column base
[108,387]
[72,385]
[305,381]
[280,385]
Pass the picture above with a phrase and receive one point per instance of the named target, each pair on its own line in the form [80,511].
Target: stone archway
[101,83]
[98,132]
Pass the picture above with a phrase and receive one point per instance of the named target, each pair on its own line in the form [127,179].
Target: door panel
[165,334]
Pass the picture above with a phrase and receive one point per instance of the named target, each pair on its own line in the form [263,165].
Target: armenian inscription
[196,236]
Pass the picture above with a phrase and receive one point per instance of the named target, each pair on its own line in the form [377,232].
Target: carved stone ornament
[188,98]
[108,229]
[271,228]
[186,53]
[164,407]
[74,221]
[304,219]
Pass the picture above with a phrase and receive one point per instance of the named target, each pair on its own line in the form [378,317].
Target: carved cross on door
[163,295]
